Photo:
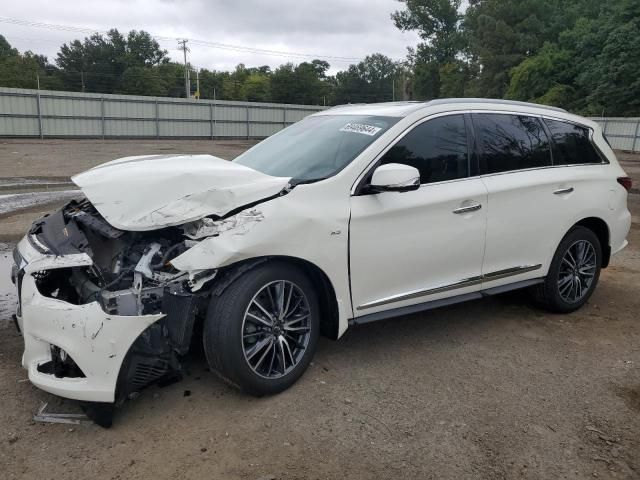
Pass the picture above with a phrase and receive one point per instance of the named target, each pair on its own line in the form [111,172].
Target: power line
[205,43]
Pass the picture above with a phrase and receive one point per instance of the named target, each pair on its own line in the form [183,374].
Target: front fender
[289,226]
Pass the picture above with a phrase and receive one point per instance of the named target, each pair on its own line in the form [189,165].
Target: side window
[437,148]
[511,142]
[571,144]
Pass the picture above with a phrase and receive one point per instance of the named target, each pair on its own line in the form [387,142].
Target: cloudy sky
[341,31]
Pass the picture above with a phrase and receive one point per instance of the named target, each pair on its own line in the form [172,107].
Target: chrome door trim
[489,277]
[420,293]
[468,282]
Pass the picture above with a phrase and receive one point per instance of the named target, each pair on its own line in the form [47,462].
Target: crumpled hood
[155,191]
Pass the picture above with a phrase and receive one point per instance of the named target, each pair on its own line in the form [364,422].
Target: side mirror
[394,177]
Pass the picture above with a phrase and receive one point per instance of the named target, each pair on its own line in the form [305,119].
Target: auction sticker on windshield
[360,128]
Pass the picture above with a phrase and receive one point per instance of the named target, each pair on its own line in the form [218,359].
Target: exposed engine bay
[131,274]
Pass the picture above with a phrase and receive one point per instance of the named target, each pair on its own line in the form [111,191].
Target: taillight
[626,182]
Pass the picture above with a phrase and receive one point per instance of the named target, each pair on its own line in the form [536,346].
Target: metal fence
[40,113]
[622,133]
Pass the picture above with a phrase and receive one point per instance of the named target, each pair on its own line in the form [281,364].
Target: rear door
[531,201]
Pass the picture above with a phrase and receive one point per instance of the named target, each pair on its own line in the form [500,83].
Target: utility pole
[187,81]
[198,84]
[82,79]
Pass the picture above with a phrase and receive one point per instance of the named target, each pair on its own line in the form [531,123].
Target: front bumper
[96,341]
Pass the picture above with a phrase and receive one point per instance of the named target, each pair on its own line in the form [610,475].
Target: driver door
[423,245]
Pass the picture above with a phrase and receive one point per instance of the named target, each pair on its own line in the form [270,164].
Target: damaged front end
[103,311]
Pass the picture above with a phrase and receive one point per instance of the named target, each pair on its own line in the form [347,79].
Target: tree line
[583,55]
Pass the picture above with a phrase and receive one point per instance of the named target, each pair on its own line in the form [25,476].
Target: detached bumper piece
[102,312]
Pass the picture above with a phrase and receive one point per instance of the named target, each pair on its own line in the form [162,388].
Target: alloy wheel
[276,329]
[577,271]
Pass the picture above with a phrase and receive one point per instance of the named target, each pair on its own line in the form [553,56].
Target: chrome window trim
[603,160]
[541,116]
[511,172]
[467,282]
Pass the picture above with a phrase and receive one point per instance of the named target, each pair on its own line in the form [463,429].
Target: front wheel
[574,272]
[262,332]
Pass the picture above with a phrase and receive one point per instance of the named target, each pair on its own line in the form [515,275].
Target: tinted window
[437,148]
[316,147]
[571,144]
[511,142]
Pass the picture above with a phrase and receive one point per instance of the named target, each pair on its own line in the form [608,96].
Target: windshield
[316,147]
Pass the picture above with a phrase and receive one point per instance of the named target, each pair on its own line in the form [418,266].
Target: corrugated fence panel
[622,133]
[269,115]
[296,115]
[19,105]
[264,129]
[130,128]
[199,111]
[71,127]
[25,126]
[69,107]
[185,129]
[229,112]
[231,130]
[25,112]
[123,109]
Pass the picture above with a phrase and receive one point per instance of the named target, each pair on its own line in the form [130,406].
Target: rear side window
[437,148]
[571,144]
[511,142]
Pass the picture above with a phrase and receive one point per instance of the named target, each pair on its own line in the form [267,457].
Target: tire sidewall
[230,326]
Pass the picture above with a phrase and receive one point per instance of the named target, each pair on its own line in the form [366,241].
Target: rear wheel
[573,274]
[262,332]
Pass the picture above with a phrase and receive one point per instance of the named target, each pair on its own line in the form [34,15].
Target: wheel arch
[329,312]
[601,230]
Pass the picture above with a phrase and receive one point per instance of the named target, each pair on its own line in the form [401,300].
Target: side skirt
[443,302]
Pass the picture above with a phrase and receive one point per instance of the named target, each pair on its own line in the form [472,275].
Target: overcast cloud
[344,28]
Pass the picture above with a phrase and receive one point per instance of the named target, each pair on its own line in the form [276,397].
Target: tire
[561,291]
[238,334]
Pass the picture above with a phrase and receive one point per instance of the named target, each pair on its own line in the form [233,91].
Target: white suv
[355,214]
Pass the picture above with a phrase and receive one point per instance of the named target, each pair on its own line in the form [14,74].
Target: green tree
[142,81]
[98,63]
[535,76]
[256,88]
[211,83]
[305,83]
[443,46]
[611,77]
[23,70]
[283,83]
[438,25]
[371,80]
[6,50]
[592,66]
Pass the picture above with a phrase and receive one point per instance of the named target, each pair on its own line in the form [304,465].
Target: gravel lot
[490,389]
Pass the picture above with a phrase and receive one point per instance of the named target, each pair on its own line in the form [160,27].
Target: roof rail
[445,101]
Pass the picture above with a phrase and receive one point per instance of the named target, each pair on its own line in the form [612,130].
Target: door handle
[470,208]
[563,191]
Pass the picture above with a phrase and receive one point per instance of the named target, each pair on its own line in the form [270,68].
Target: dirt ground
[491,389]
